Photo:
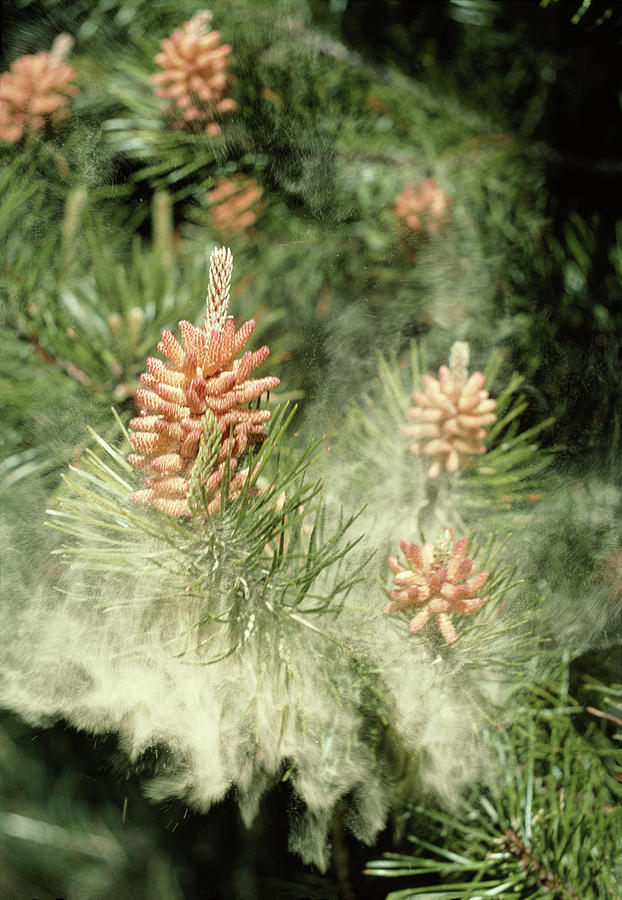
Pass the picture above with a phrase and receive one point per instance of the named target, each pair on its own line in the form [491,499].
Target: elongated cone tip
[217,300]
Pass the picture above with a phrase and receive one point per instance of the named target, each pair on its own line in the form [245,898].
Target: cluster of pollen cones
[201,381]
[36,91]
[437,581]
[450,415]
[423,207]
[195,75]
[233,203]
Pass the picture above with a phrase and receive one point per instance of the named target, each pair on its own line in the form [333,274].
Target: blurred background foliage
[106,225]
[520,837]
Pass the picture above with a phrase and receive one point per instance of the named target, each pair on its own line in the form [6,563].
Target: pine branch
[545,825]
[257,559]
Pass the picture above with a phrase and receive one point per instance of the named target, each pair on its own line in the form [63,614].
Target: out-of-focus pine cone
[201,387]
[422,207]
[610,573]
[36,91]
[437,578]
[195,76]
[450,415]
[234,203]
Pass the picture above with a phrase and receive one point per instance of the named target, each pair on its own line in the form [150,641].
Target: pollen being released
[195,422]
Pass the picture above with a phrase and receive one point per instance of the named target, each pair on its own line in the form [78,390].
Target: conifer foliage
[339,561]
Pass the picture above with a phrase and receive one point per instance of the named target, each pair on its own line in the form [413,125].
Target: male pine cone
[36,92]
[201,387]
[195,75]
[450,416]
